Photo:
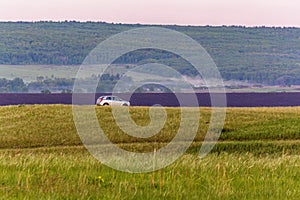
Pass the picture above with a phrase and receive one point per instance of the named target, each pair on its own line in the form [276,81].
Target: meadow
[42,156]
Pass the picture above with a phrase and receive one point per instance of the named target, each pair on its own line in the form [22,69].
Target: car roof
[107,96]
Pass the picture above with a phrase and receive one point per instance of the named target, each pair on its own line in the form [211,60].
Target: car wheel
[106,104]
[125,104]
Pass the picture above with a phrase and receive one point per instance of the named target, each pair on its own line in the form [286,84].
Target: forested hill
[261,54]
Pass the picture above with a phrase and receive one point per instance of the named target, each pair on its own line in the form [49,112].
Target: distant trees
[108,81]
[46,91]
[52,84]
[47,85]
[16,85]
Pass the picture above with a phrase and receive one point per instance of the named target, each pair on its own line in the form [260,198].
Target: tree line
[267,55]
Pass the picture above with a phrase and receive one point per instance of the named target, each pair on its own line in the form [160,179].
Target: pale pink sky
[182,12]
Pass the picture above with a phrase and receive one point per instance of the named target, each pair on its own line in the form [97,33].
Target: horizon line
[150,24]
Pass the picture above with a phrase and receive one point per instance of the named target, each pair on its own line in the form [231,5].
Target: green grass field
[42,157]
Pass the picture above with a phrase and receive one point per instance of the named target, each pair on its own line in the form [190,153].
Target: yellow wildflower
[100,179]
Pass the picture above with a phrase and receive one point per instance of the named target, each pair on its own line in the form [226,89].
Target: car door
[117,101]
[109,100]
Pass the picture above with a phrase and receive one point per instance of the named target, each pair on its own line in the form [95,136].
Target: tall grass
[73,174]
[257,157]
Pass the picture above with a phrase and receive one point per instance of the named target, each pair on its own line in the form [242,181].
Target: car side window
[108,98]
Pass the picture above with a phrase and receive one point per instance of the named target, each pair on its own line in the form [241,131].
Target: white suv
[111,101]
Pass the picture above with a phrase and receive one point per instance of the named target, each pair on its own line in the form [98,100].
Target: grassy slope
[257,157]
[52,125]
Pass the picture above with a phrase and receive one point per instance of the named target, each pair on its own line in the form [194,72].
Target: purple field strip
[165,99]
